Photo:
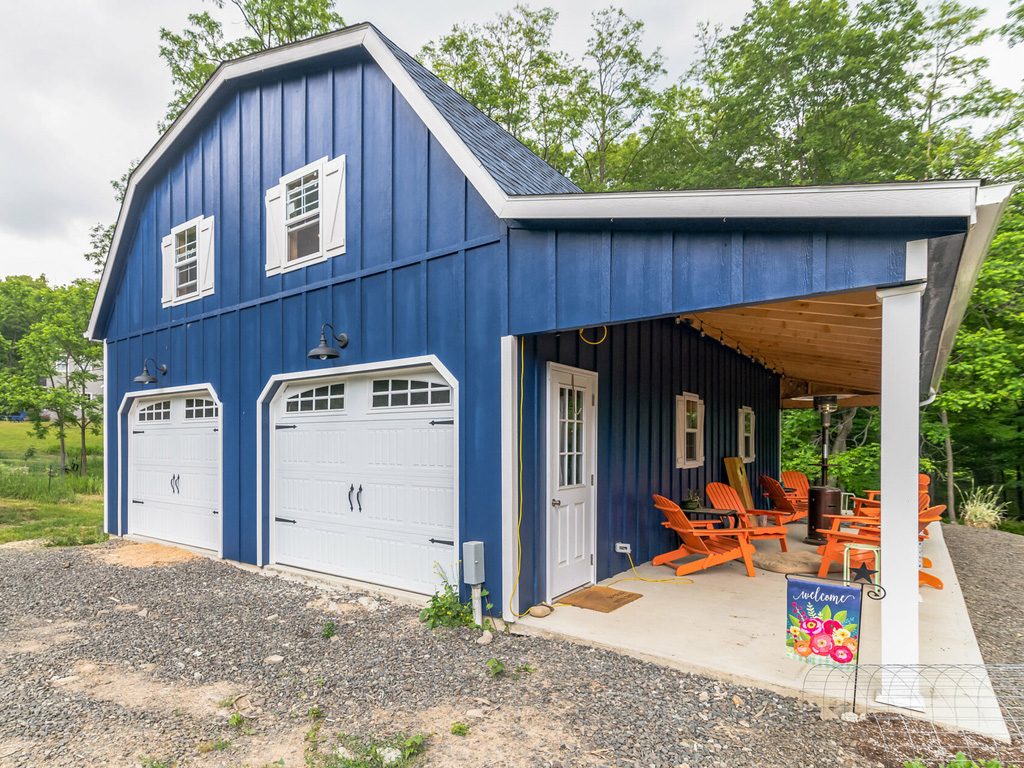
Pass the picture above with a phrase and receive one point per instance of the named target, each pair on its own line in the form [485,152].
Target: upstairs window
[302,216]
[689,431]
[186,262]
[306,216]
[160,411]
[396,393]
[188,269]
[746,434]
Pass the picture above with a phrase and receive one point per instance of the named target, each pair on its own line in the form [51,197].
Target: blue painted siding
[430,270]
[641,367]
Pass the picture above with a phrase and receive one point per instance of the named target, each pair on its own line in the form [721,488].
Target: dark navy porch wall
[428,270]
[641,367]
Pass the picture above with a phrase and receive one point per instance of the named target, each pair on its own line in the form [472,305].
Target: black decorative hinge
[449,542]
[285,426]
[442,421]
[283,520]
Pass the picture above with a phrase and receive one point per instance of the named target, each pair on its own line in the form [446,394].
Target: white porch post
[901,358]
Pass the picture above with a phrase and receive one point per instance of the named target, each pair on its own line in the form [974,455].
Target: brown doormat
[603,599]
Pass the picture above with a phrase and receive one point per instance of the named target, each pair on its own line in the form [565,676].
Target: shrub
[460,729]
[960,761]
[445,609]
[982,507]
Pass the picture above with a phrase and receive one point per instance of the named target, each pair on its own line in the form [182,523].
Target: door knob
[556,502]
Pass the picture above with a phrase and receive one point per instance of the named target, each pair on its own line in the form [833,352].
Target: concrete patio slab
[722,623]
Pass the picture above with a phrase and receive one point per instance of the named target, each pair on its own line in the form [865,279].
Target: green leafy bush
[445,609]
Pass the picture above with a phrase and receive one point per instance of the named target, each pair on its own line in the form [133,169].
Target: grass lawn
[36,500]
[62,524]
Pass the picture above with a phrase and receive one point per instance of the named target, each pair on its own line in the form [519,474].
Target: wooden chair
[801,487]
[724,497]
[867,530]
[780,500]
[712,546]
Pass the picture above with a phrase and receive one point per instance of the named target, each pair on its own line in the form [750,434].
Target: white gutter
[992,201]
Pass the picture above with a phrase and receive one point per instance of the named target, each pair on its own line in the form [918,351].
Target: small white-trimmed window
[200,408]
[746,434]
[187,256]
[330,397]
[160,411]
[689,431]
[399,393]
[306,216]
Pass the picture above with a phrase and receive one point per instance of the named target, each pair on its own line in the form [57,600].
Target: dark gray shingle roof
[516,169]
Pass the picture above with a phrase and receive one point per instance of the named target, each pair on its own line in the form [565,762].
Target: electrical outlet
[623,548]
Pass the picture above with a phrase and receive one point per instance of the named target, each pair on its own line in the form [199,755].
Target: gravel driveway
[203,663]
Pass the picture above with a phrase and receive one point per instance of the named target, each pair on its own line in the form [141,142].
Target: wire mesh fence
[974,709]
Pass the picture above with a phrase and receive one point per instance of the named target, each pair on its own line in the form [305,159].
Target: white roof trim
[952,198]
[991,203]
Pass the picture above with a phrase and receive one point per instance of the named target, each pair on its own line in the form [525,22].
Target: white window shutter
[740,431]
[277,237]
[753,433]
[206,271]
[332,220]
[167,270]
[700,431]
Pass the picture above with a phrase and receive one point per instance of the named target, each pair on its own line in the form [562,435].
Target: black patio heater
[823,499]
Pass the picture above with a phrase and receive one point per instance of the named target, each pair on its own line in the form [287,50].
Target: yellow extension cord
[519,523]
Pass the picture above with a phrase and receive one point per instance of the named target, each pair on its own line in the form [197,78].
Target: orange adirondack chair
[780,500]
[713,546]
[724,496]
[875,497]
[800,484]
[867,530]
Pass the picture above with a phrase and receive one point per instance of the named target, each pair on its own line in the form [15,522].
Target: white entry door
[364,479]
[174,470]
[571,450]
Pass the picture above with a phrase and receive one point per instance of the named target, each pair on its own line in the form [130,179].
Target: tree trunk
[843,431]
[950,484]
[63,451]
[82,455]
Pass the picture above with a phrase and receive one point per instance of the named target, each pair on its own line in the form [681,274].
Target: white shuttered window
[187,262]
[306,216]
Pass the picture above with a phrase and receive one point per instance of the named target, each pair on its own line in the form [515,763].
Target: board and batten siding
[641,367]
[428,269]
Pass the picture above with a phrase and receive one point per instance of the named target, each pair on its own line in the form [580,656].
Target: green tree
[57,365]
[509,71]
[193,54]
[618,94]
[23,301]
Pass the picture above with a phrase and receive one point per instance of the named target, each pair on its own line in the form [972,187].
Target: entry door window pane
[571,437]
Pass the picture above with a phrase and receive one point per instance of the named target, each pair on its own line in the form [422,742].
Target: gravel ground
[989,567]
[109,665]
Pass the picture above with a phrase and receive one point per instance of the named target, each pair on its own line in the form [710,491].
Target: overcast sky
[83,90]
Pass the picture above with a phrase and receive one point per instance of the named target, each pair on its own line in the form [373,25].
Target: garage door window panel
[160,411]
[329,397]
[200,408]
[399,393]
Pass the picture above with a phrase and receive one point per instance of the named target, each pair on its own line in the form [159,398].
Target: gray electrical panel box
[473,562]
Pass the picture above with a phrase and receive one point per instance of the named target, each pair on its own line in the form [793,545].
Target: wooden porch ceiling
[825,345]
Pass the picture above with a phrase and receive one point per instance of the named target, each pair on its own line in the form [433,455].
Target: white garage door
[363,479]
[174,470]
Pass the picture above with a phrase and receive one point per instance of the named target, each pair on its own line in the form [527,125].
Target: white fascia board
[991,203]
[938,198]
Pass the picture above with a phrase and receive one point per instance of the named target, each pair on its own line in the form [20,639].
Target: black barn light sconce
[324,350]
[146,377]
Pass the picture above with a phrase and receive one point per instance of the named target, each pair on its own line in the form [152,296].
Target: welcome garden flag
[823,622]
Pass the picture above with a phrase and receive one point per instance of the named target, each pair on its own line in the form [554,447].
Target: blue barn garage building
[525,363]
